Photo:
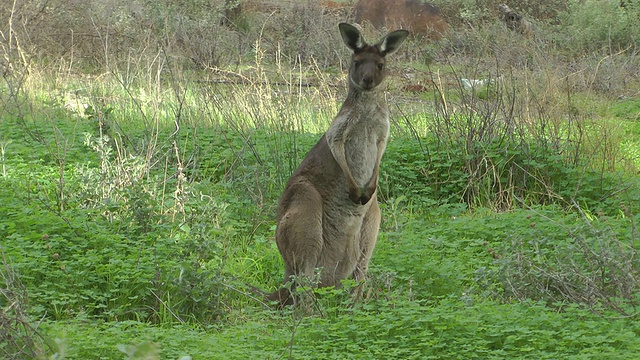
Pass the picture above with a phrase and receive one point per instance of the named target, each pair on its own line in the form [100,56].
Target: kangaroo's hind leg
[368,239]
[299,230]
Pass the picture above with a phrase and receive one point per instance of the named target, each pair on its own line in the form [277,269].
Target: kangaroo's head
[368,64]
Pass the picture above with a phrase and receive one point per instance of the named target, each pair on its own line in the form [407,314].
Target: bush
[594,25]
[586,263]
[20,337]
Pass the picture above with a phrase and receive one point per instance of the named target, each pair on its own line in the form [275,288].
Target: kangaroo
[328,216]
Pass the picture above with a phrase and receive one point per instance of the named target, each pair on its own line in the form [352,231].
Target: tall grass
[515,140]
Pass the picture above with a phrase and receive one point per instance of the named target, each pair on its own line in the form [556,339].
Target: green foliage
[628,109]
[585,262]
[120,241]
[451,329]
[593,25]
[399,330]
[19,335]
[138,207]
[497,175]
[92,240]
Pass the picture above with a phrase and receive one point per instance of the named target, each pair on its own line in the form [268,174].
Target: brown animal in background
[414,15]
[515,21]
[328,216]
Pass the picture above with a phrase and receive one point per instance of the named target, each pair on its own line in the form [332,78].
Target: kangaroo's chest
[361,150]
[364,140]
[357,137]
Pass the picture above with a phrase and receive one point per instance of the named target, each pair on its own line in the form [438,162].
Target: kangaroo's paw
[367,194]
[355,195]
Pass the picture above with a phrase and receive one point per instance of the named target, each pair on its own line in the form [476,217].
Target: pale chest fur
[363,128]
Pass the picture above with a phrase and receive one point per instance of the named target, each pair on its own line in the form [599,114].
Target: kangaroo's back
[328,215]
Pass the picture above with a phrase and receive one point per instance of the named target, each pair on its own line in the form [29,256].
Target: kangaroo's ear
[390,43]
[351,36]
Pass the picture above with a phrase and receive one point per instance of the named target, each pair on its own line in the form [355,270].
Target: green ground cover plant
[142,156]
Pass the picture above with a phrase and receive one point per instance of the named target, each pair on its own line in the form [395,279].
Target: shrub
[20,337]
[594,25]
[586,263]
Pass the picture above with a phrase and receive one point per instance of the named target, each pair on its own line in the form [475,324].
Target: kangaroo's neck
[364,100]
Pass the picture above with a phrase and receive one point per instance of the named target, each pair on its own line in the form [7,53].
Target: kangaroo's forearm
[339,155]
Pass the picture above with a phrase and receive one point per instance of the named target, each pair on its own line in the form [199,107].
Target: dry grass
[19,334]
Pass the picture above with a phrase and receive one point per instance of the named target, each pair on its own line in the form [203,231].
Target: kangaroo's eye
[380,66]
[356,63]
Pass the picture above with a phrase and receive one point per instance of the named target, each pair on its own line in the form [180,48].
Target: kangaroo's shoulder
[318,162]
